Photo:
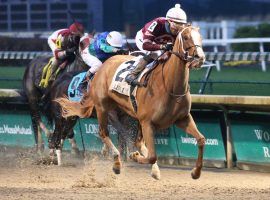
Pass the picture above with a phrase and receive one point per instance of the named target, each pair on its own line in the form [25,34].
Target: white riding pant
[139,44]
[93,62]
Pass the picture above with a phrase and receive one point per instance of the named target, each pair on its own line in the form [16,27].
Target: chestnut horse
[165,101]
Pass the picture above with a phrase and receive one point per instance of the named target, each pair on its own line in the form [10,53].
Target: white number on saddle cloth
[152,26]
[118,83]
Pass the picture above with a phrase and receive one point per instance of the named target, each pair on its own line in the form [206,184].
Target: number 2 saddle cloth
[119,84]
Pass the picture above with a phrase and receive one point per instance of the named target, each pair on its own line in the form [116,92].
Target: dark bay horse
[34,92]
[166,100]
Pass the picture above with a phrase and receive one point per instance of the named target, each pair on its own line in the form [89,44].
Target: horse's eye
[185,38]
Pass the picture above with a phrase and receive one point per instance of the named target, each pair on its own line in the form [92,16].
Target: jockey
[64,43]
[95,51]
[156,37]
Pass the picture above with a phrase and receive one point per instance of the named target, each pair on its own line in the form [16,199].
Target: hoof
[156,176]
[116,170]
[117,167]
[133,156]
[155,173]
[196,173]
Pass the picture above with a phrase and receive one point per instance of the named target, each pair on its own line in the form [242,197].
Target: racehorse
[164,101]
[34,92]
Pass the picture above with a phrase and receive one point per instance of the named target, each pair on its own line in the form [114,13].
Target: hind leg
[102,116]
[35,118]
[75,150]
[189,126]
[70,123]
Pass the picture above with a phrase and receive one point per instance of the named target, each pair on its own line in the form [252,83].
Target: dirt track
[22,178]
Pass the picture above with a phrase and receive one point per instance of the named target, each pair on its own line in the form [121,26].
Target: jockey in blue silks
[96,50]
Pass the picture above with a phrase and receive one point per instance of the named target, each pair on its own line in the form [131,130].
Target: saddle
[47,72]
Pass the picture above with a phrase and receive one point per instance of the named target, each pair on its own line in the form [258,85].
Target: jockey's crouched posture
[64,43]
[95,51]
[155,37]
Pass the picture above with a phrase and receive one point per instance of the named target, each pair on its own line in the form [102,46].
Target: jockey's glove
[167,47]
[70,51]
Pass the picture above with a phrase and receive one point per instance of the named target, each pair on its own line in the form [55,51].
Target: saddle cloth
[77,87]
[119,84]
[46,73]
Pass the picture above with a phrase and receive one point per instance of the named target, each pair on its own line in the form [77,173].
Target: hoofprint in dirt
[21,177]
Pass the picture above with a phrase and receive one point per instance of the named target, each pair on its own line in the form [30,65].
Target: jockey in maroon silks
[156,37]
[64,43]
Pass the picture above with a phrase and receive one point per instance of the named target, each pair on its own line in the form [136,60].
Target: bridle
[184,55]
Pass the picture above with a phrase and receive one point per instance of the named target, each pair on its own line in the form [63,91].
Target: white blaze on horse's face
[191,44]
[197,40]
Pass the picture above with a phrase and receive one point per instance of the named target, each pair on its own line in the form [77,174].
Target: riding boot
[89,75]
[130,78]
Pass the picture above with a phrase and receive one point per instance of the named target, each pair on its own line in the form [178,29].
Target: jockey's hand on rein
[167,47]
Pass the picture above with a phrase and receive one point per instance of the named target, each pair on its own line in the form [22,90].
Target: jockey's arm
[150,46]
[107,48]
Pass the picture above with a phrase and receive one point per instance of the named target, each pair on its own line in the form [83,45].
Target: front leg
[189,126]
[148,136]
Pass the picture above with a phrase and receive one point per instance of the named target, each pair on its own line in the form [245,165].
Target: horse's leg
[189,126]
[148,136]
[69,133]
[55,142]
[44,128]
[140,144]
[113,119]
[35,118]
[72,142]
[102,116]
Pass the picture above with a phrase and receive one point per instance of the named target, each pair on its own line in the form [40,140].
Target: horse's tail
[82,109]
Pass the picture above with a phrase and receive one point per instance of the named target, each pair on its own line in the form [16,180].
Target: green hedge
[262,30]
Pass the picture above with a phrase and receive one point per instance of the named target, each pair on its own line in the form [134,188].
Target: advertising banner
[88,129]
[209,125]
[16,129]
[165,143]
[251,137]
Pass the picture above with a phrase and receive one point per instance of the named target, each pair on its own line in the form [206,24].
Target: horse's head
[190,46]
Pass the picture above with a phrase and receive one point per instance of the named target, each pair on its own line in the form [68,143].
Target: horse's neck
[76,65]
[176,74]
